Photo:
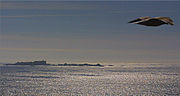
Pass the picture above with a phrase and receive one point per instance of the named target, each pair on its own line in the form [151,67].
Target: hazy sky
[88,32]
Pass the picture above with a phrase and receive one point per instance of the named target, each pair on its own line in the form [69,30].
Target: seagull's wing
[139,19]
[167,20]
[136,20]
[151,22]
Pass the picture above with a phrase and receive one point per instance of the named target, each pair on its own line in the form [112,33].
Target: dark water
[125,80]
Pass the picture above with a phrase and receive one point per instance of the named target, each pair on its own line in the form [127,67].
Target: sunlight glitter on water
[90,81]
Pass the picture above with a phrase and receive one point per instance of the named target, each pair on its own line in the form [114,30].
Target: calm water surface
[124,80]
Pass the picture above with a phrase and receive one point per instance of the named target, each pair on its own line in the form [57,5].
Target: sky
[88,32]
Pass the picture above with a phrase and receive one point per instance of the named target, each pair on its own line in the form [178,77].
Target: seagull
[155,21]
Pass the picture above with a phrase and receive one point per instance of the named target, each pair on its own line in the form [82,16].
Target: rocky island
[45,64]
[30,63]
[65,64]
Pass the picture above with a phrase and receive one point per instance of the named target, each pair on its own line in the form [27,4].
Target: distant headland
[45,64]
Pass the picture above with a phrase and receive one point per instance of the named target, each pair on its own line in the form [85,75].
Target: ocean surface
[121,80]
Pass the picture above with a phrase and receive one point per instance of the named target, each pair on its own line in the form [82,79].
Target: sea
[128,79]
